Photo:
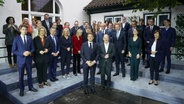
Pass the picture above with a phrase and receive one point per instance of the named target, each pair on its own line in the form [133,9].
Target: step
[175,76]
[47,94]
[12,83]
[166,92]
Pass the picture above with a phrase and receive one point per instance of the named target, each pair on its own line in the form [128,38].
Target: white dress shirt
[153,48]
[91,44]
[106,46]
[22,37]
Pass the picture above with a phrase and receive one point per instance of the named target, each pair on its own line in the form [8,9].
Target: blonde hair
[39,29]
[79,31]
[66,29]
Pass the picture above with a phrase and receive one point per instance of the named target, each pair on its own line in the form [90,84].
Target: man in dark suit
[169,37]
[99,38]
[106,53]
[74,29]
[54,54]
[149,35]
[119,40]
[125,27]
[142,27]
[23,48]
[89,56]
[47,24]
[110,31]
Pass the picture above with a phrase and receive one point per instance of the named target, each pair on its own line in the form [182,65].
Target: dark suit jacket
[120,43]
[110,32]
[38,47]
[54,48]
[148,34]
[73,30]
[159,49]
[168,37]
[99,37]
[19,48]
[126,27]
[88,54]
[65,43]
[45,25]
[102,53]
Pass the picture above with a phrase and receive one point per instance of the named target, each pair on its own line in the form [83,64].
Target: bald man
[106,53]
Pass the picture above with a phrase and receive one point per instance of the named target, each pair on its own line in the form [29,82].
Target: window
[37,9]
[159,19]
[115,18]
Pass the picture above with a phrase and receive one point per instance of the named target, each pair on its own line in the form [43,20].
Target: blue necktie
[25,43]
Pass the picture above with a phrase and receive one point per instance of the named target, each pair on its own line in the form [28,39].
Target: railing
[2,38]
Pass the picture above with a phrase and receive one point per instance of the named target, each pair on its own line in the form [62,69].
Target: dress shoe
[93,91]
[55,79]
[33,90]
[161,70]
[21,93]
[52,80]
[150,82]
[147,66]
[75,74]
[156,83]
[86,92]
[123,75]
[40,86]
[167,72]
[115,74]
[11,66]
[98,73]
[47,84]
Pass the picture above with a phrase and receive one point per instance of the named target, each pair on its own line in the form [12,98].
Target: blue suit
[110,32]
[23,62]
[53,59]
[120,44]
[169,37]
[88,54]
[99,36]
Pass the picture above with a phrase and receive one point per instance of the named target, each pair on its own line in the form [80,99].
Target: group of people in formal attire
[98,45]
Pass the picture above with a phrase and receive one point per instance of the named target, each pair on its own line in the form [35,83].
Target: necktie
[90,45]
[151,28]
[54,40]
[25,42]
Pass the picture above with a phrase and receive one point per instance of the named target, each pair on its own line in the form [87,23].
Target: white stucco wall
[71,10]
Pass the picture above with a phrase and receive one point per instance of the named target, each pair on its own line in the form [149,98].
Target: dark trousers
[92,76]
[147,55]
[154,68]
[42,71]
[53,67]
[166,53]
[119,59]
[28,68]
[76,63]
[9,51]
[143,52]
[134,68]
[106,70]
[65,59]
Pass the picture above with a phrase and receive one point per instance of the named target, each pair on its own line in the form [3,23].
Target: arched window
[37,9]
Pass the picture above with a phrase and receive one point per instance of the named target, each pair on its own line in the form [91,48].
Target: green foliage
[151,5]
[180,36]
[1,2]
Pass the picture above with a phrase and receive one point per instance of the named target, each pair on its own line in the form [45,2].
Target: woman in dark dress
[156,55]
[66,49]
[42,56]
[134,48]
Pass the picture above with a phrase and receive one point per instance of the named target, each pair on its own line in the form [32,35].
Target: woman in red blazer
[77,43]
